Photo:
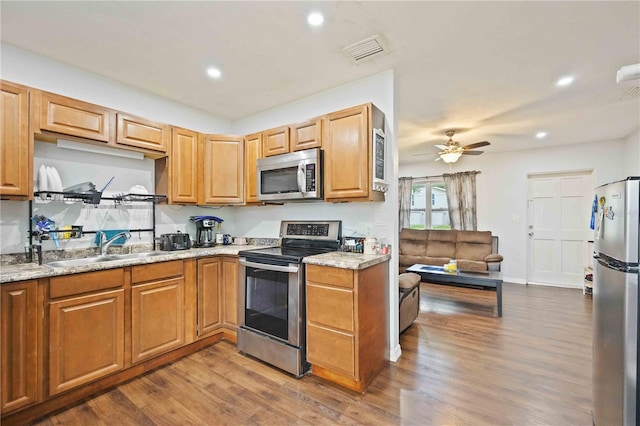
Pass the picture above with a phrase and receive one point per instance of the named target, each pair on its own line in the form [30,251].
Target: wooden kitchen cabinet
[69,116]
[346,326]
[183,166]
[217,295]
[142,133]
[275,141]
[19,320]
[230,292]
[221,165]
[348,157]
[86,331]
[306,135]
[16,145]
[157,309]
[252,151]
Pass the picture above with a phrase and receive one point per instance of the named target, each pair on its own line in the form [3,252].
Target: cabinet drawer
[72,117]
[331,307]
[154,271]
[332,276]
[68,285]
[331,349]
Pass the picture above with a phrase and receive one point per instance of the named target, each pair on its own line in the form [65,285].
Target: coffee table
[489,280]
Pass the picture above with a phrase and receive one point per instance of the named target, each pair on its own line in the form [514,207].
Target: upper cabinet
[221,178]
[306,135]
[141,133]
[348,155]
[16,145]
[252,151]
[76,118]
[276,141]
[183,167]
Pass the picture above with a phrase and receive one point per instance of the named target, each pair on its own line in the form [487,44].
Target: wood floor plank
[460,365]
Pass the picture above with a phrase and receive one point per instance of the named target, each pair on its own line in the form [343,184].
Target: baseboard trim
[395,353]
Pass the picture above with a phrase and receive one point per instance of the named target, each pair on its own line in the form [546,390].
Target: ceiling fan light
[450,157]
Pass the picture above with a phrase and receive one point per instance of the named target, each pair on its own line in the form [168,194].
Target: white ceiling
[487,67]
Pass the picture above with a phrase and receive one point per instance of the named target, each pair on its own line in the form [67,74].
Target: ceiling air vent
[632,93]
[365,49]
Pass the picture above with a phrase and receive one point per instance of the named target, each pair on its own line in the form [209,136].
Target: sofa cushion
[442,235]
[471,265]
[441,249]
[408,260]
[472,251]
[482,237]
[435,261]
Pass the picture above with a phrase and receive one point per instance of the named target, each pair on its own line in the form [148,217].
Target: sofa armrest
[493,257]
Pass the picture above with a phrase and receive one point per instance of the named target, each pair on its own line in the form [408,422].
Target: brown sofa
[473,250]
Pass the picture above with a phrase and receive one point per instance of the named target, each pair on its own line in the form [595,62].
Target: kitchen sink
[70,263]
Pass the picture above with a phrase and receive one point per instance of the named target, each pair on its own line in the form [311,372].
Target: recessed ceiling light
[214,72]
[315,19]
[565,81]
[541,135]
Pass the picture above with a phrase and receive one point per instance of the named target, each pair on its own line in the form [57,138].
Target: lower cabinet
[217,294]
[157,309]
[19,345]
[346,323]
[86,339]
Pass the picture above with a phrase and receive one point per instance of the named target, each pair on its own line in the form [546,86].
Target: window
[431,214]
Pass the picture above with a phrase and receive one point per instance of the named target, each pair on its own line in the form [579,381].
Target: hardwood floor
[460,365]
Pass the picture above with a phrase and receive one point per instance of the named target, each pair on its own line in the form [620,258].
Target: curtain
[461,200]
[404,197]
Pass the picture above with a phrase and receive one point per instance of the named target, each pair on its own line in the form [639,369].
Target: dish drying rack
[96,197]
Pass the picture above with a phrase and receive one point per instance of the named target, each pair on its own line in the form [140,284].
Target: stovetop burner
[301,239]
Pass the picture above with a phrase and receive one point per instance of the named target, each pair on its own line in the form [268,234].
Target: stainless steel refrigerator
[615,304]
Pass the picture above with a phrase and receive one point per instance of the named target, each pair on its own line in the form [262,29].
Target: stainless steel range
[271,306]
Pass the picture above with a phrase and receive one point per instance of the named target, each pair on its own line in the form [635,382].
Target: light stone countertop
[344,260]
[31,271]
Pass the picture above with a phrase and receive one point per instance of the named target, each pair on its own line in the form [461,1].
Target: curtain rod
[439,176]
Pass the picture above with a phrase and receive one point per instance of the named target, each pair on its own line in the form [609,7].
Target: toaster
[177,241]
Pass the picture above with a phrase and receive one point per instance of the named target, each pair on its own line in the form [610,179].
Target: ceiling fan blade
[438,158]
[476,145]
[472,152]
[424,153]
[440,146]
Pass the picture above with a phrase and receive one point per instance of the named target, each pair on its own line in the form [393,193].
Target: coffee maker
[205,230]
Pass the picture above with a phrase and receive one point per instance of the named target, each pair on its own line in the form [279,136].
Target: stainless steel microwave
[290,177]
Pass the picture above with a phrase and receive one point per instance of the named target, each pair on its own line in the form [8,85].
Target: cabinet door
[86,339]
[276,141]
[306,135]
[222,161]
[183,173]
[157,318]
[346,161]
[141,133]
[230,290]
[73,117]
[209,295]
[252,151]
[16,155]
[19,345]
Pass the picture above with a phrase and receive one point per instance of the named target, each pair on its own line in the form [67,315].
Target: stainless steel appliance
[290,177]
[615,304]
[205,230]
[271,300]
[177,241]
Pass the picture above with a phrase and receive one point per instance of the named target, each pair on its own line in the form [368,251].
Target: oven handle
[268,267]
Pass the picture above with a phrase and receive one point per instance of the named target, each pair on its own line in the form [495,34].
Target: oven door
[271,299]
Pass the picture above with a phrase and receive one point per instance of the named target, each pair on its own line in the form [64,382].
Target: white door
[558,225]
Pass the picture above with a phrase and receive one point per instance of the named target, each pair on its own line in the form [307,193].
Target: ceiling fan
[451,151]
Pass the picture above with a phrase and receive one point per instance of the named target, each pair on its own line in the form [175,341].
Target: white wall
[502,187]
[632,154]
[379,218]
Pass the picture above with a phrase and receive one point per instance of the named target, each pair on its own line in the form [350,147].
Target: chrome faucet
[104,243]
